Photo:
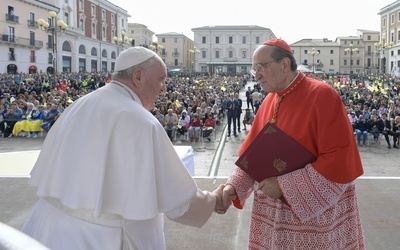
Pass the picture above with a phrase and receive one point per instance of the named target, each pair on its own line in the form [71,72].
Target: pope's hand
[219,207]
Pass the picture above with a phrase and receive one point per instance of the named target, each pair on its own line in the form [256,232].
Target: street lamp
[313,52]
[156,47]
[53,27]
[351,51]
[194,51]
[122,41]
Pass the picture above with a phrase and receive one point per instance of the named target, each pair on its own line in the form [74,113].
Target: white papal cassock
[107,173]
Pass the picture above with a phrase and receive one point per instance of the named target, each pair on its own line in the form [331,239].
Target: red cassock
[320,209]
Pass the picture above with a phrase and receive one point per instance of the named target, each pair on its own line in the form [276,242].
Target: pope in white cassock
[107,172]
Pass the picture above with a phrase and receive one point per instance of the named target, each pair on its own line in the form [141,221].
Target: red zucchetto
[279,43]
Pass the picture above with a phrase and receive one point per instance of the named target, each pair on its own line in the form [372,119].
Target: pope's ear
[137,76]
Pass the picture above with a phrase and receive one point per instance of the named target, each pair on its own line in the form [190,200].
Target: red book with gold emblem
[273,153]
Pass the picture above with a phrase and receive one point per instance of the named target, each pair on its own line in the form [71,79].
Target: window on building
[82,50]
[331,61]
[230,39]
[112,18]
[32,38]
[104,32]
[384,22]
[66,46]
[93,28]
[217,54]
[81,25]
[93,10]
[230,54]
[176,62]
[94,52]
[331,51]
[81,5]
[66,18]
[33,56]
[175,40]
[305,52]
[243,54]
[203,54]
[163,40]
[257,39]
[244,40]
[203,39]
[31,21]
[217,39]
[345,62]
[392,19]
[104,53]
[103,14]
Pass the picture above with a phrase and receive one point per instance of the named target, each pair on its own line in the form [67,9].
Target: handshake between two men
[226,193]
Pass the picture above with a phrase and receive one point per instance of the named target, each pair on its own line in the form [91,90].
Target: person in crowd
[13,115]
[353,119]
[385,128]
[49,117]
[249,98]
[248,118]
[3,111]
[257,103]
[238,110]
[108,186]
[160,117]
[209,126]
[183,123]
[361,128]
[232,106]
[171,122]
[396,128]
[365,112]
[194,128]
[373,127]
[34,122]
[283,217]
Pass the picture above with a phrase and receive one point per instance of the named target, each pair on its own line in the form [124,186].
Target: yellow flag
[177,103]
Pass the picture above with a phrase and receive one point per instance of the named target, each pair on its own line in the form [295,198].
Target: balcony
[230,59]
[32,23]
[20,41]
[8,38]
[12,18]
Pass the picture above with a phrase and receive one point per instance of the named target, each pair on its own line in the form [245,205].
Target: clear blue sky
[289,20]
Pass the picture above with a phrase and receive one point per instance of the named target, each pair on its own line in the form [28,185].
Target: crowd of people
[373,106]
[190,100]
